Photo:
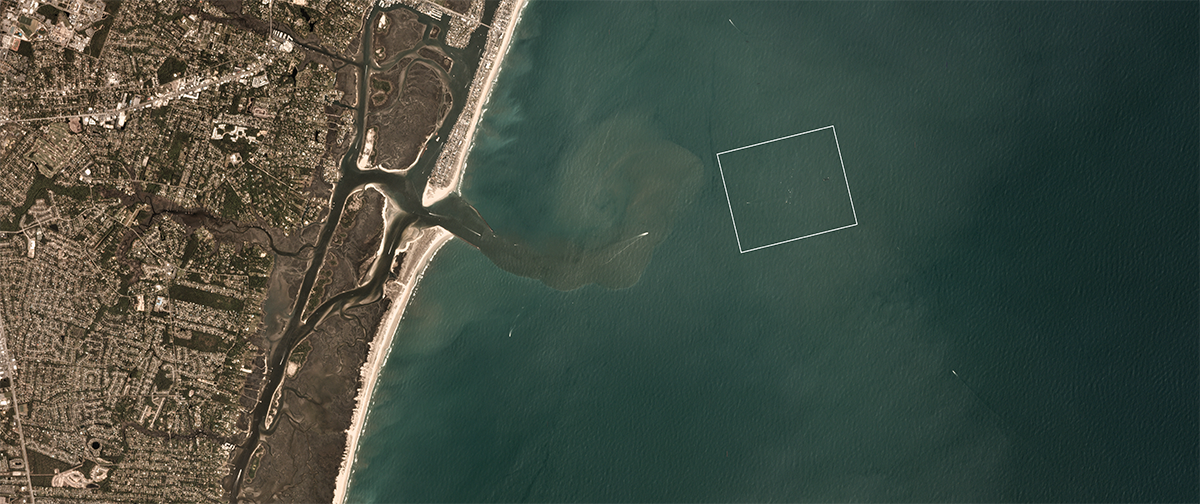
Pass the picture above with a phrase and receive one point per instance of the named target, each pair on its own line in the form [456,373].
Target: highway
[154,101]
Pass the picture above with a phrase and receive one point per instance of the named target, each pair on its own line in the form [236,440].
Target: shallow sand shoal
[417,257]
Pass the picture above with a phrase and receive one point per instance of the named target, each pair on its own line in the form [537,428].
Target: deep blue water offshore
[1024,176]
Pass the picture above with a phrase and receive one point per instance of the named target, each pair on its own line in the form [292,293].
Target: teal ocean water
[1025,182]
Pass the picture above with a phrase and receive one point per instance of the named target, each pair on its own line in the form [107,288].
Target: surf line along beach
[420,249]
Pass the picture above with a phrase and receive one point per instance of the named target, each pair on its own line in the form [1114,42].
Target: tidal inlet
[612,198]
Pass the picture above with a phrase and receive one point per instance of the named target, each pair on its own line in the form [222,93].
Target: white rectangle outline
[729,202]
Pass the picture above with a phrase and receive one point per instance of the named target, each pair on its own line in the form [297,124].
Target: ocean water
[1014,318]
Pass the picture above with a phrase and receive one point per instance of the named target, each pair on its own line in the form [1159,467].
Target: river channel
[404,190]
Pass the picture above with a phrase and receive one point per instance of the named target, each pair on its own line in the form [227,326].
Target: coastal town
[168,167]
[448,170]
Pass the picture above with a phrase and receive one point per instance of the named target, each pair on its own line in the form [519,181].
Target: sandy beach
[421,249]
[448,172]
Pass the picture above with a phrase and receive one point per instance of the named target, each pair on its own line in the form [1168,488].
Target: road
[10,368]
[156,100]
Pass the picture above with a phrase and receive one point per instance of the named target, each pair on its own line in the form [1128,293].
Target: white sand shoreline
[399,292]
[447,180]
[418,256]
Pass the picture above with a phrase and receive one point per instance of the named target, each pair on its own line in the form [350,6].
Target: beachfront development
[422,247]
[447,173]
[424,244]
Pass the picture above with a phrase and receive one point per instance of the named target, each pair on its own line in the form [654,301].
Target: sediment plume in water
[615,196]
